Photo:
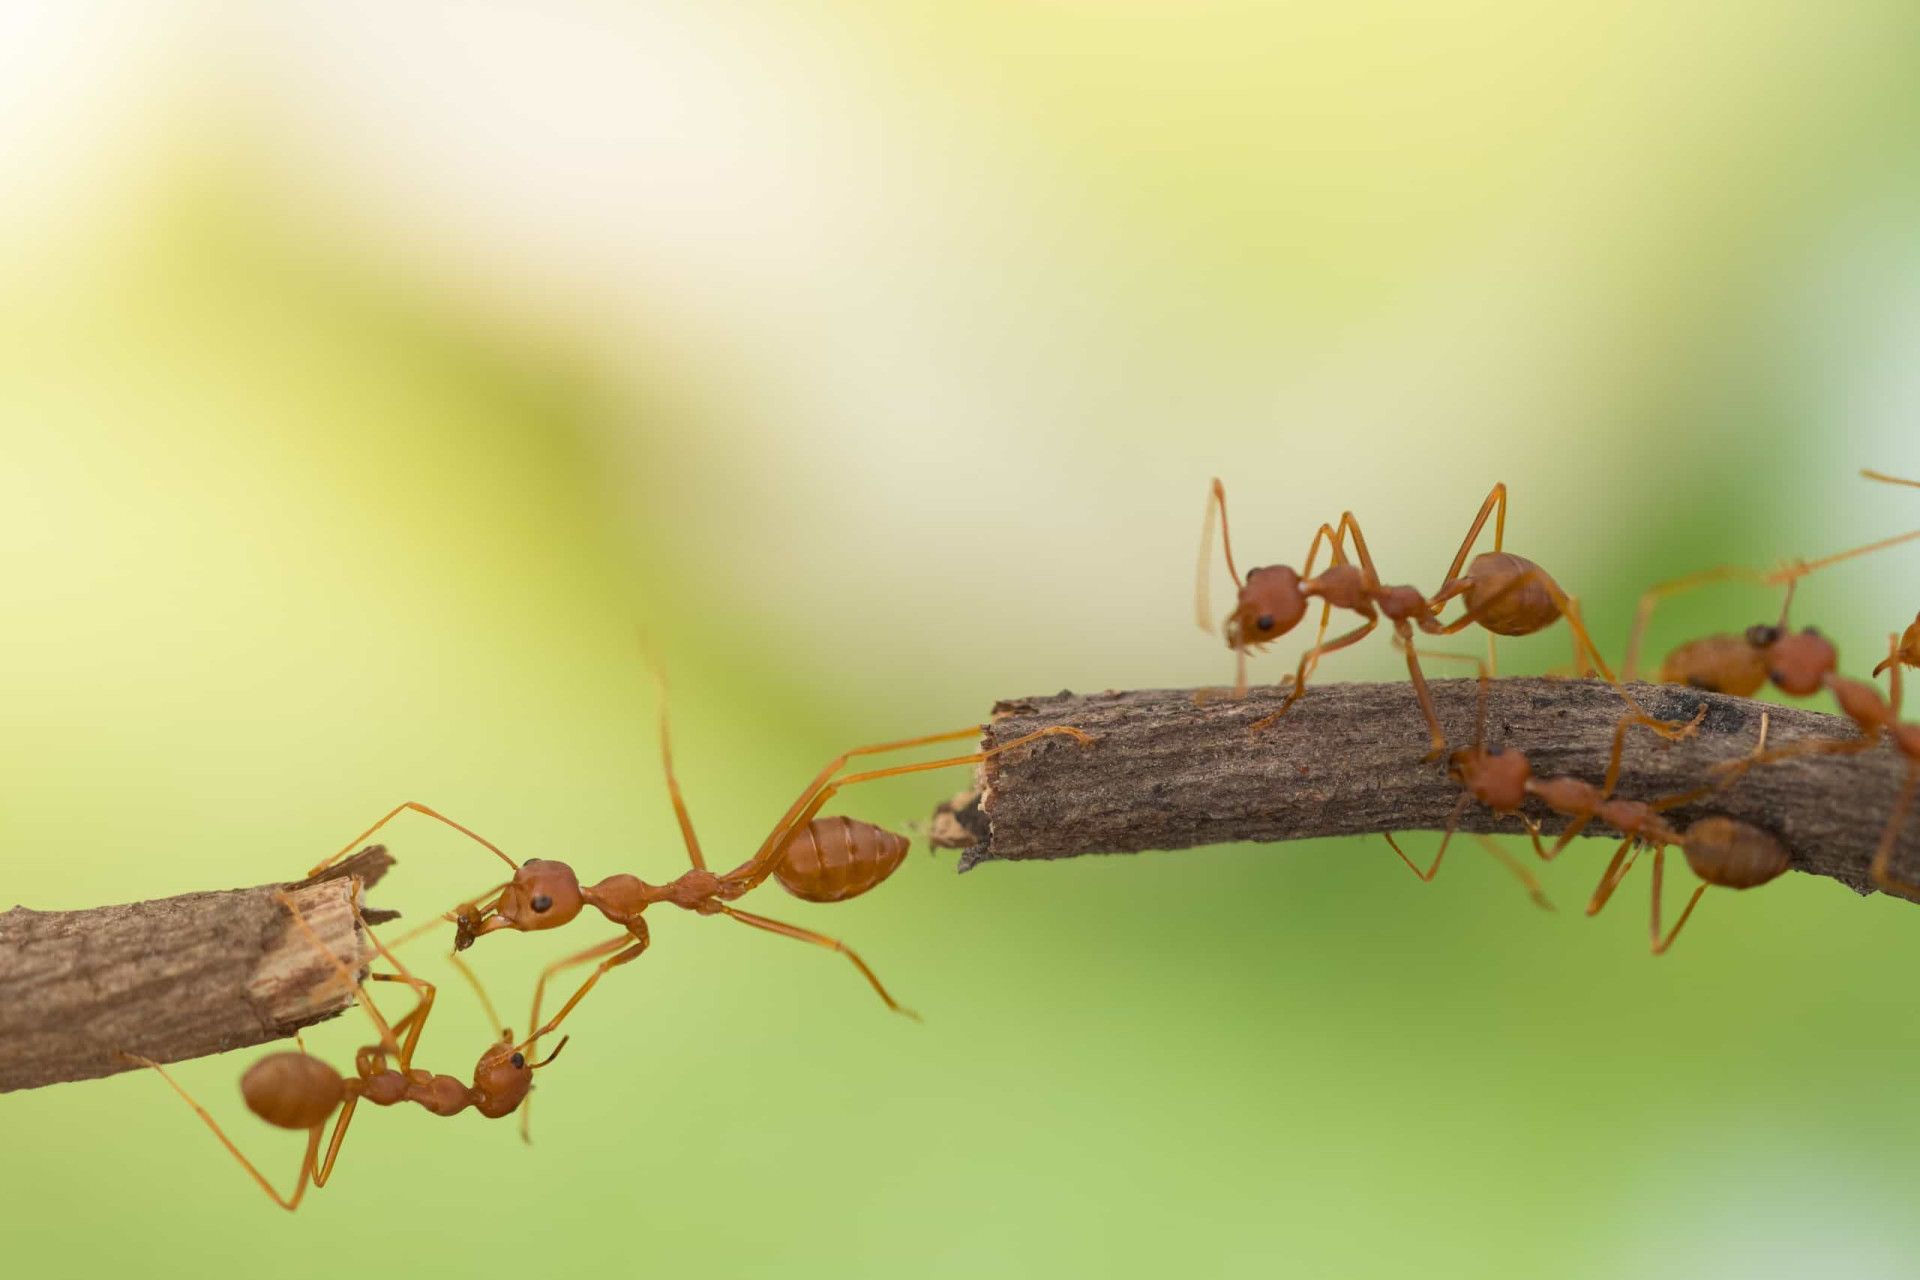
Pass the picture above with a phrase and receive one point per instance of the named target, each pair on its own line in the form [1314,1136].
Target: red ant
[1507,594]
[1796,663]
[1721,851]
[299,1091]
[815,859]
[1861,703]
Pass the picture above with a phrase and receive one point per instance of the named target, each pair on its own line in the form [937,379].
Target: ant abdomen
[1717,664]
[1501,607]
[833,859]
[1734,854]
[292,1090]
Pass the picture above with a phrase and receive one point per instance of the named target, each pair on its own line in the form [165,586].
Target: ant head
[292,1090]
[543,894]
[503,1077]
[1798,662]
[1498,779]
[1271,604]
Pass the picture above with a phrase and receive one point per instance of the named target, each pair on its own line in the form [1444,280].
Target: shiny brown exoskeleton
[1505,593]
[816,859]
[298,1091]
[1721,851]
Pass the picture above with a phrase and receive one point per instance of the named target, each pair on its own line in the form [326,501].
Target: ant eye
[1264,622]
[519,1061]
[541,902]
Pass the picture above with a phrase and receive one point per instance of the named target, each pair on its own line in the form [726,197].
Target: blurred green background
[369,373]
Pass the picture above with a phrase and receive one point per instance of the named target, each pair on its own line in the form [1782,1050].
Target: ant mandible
[1505,593]
[294,1090]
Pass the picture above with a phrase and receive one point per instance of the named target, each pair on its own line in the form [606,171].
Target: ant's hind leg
[1496,499]
[1659,944]
[306,1163]
[821,940]
[1615,873]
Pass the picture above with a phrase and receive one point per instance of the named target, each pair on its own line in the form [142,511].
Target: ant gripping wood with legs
[298,1091]
[815,859]
[1721,851]
[1505,593]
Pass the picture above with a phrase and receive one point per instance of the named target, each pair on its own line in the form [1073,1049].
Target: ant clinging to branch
[295,1090]
[1502,592]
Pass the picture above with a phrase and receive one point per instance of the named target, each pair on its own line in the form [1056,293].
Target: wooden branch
[1347,760]
[174,978]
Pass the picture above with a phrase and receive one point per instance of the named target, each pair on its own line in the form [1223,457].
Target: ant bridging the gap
[298,1091]
[815,859]
[1506,594]
[1721,851]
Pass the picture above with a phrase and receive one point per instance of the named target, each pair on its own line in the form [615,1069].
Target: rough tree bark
[176,977]
[1347,760]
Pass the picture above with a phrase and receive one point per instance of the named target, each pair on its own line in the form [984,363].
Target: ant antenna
[556,1053]
[1202,601]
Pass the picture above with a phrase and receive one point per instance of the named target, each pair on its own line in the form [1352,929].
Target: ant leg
[666,763]
[1453,821]
[1659,944]
[1202,610]
[1319,638]
[1496,498]
[635,943]
[820,790]
[306,1163]
[325,1170]
[395,812]
[1610,878]
[387,1038]
[1566,837]
[414,1021]
[821,940]
[1420,692]
[1883,856]
[1334,539]
[1519,870]
[1309,659]
[486,1002]
[638,939]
